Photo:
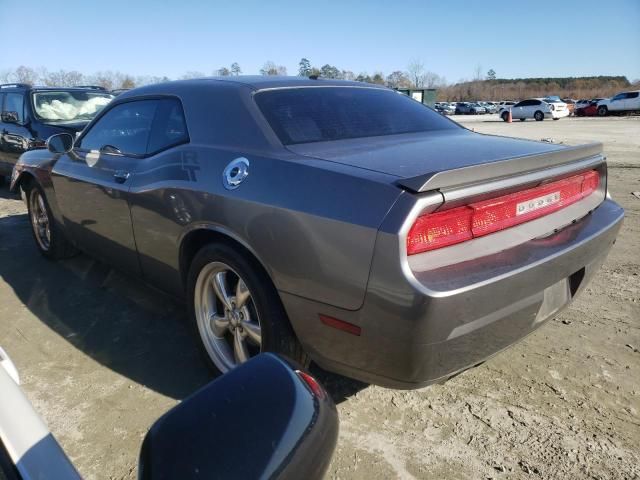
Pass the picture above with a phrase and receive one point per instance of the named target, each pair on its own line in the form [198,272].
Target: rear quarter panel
[311,224]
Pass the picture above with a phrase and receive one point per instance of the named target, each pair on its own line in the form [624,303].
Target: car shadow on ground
[124,325]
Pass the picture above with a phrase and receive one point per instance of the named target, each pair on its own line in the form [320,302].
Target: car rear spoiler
[474,174]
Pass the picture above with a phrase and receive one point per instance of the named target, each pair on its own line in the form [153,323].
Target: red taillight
[441,229]
[312,383]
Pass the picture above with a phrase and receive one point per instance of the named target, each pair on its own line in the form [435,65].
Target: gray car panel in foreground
[338,177]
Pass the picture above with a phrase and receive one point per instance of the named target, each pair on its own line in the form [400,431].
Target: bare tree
[398,79]
[149,80]
[477,73]
[431,80]
[5,76]
[224,72]
[270,68]
[62,78]
[235,69]
[348,75]
[127,82]
[378,78]
[415,69]
[24,74]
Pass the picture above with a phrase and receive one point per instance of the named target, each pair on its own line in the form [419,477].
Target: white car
[535,108]
[621,102]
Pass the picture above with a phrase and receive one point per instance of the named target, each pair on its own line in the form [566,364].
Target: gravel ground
[101,357]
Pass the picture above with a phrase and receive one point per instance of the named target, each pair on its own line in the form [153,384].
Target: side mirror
[10,117]
[263,419]
[60,143]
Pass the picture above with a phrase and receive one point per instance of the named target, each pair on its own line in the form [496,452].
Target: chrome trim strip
[294,87]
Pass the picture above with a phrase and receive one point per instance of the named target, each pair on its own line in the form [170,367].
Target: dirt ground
[101,357]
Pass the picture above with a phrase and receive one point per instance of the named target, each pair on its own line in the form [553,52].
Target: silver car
[326,220]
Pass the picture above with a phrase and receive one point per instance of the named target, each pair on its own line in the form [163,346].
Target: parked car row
[535,108]
[547,107]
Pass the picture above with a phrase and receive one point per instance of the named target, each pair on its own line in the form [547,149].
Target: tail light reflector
[311,383]
[437,230]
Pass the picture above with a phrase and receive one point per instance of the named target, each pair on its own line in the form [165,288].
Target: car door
[92,182]
[632,101]
[617,102]
[518,110]
[14,134]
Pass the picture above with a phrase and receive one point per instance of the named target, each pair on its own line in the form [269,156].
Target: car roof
[253,82]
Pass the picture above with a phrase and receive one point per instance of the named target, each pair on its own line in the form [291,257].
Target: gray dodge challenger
[324,220]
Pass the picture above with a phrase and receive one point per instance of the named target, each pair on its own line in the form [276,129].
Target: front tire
[236,310]
[48,235]
[603,111]
[539,116]
[505,116]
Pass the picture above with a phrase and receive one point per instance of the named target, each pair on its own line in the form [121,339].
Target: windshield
[69,105]
[317,114]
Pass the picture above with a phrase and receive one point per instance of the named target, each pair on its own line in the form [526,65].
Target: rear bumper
[417,333]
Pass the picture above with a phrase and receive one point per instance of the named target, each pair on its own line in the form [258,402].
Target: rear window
[305,115]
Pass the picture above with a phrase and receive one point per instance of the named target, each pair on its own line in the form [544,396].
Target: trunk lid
[442,159]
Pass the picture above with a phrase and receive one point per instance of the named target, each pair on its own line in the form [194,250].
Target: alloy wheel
[40,220]
[226,315]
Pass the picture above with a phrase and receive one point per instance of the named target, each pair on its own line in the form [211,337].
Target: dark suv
[30,115]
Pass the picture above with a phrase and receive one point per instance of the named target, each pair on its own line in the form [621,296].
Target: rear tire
[1,180]
[244,325]
[48,235]
[505,116]
[539,116]
[603,111]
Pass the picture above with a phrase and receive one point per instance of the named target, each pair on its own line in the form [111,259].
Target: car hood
[410,155]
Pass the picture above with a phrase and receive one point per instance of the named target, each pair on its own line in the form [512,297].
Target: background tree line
[480,87]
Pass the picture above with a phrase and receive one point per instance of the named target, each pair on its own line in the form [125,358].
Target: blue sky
[155,37]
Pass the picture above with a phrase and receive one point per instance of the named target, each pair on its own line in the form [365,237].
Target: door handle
[121,176]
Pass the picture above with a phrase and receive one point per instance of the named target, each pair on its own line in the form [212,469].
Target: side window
[619,96]
[14,102]
[535,102]
[124,128]
[632,95]
[169,127]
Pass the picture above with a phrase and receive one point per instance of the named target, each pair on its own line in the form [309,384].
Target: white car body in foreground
[621,102]
[536,108]
[24,436]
